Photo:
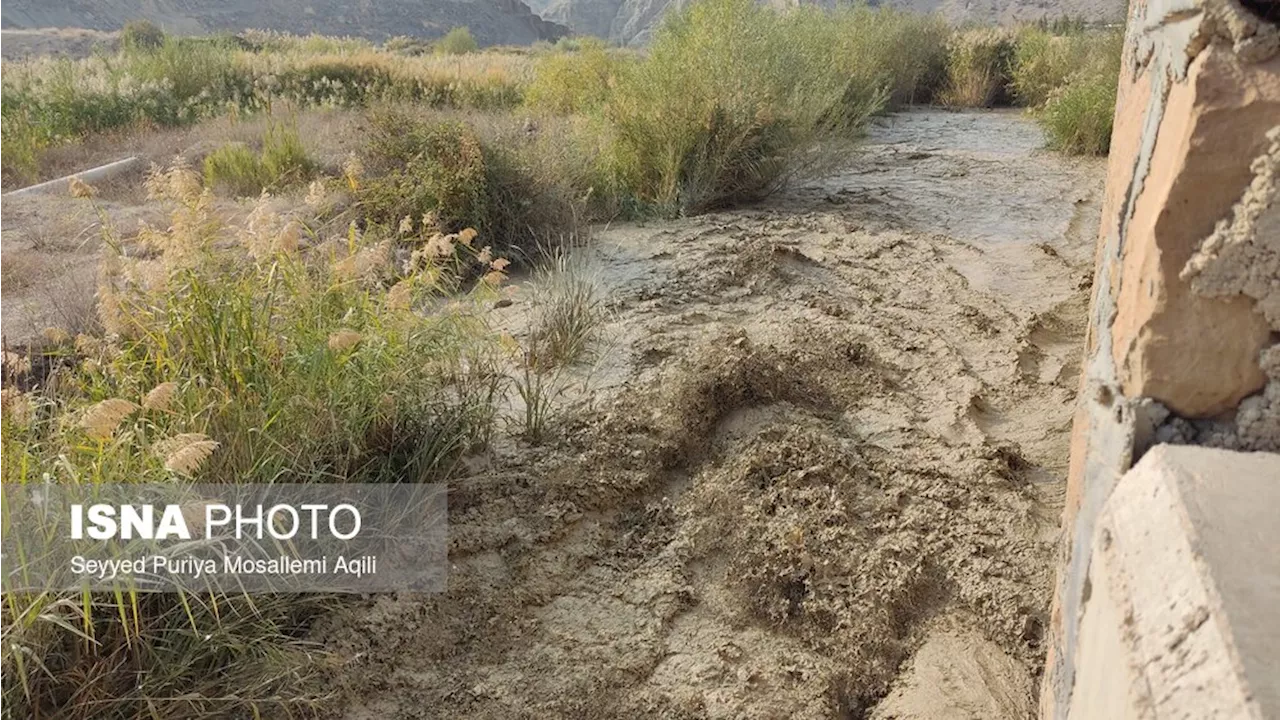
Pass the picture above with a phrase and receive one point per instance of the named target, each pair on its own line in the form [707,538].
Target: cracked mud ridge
[816,471]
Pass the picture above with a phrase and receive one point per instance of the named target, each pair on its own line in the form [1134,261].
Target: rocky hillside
[633,21]
[492,22]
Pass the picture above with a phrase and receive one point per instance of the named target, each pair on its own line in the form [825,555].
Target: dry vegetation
[871,59]
[342,340]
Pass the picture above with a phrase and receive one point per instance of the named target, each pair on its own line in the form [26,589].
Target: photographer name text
[195,568]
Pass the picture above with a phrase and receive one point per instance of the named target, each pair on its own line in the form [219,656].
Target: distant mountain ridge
[632,22]
[492,22]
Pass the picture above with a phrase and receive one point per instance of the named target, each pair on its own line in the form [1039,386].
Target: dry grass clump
[568,311]
[235,169]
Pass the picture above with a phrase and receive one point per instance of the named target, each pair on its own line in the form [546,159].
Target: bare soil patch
[66,42]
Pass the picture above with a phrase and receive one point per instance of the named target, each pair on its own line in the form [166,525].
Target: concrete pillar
[1180,618]
[1182,335]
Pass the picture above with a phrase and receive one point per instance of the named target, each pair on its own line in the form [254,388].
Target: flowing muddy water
[816,471]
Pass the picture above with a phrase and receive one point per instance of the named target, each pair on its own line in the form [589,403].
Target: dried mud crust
[819,443]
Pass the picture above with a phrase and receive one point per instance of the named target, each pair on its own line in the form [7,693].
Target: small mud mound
[957,674]
[850,548]
[734,375]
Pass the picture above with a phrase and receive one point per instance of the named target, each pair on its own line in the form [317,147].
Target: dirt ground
[16,44]
[815,472]
[52,241]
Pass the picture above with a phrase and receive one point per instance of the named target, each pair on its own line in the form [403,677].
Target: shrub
[681,138]
[141,36]
[283,156]
[457,41]
[443,170]
[236,169]
[417,168]
[978,63]
[574,82]
[1078,116]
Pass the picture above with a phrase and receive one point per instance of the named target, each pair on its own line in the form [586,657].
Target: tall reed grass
[978,63]
[290,356]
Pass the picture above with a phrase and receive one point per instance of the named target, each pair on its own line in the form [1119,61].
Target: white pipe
[102,172]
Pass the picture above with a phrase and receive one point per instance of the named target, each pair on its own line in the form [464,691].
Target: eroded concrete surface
[1180,619]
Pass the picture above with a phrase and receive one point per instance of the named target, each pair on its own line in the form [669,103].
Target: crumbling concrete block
[1181,619]
[1196,353]
[1242,256]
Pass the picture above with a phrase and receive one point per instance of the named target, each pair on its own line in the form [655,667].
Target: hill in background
[492,22]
